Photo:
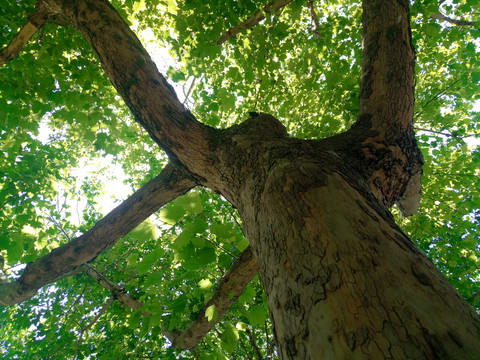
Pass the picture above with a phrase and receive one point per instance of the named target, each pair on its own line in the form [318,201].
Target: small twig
[52,219]
[442,17]
[89,325]
[117,292]
[455,136]
[270,344]
[222,248]
[254,345]
[253,20]
[190,89]
[436,96]
[244,348]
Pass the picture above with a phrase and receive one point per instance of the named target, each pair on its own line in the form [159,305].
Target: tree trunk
[343,281]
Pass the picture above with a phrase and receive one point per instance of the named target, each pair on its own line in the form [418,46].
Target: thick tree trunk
[343,281]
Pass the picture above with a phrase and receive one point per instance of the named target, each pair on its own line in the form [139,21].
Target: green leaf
[144,232]
[211,313]
[172,213]
[191,202]
[148,260]
[230,337]
[206,256]
[179,304]
[223,231]
[257,315]
[16,248]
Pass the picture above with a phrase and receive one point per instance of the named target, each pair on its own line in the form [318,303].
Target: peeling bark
[34,23]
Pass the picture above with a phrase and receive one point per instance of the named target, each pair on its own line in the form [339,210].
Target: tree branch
[34,23]
[442,17]
[388,64]
[229,289]
[314,18]
[253,20]
[170,184]
[117,292]
[91,323]
[254,344]
[145,91]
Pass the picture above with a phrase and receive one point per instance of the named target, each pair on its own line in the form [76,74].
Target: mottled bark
[342,280]
[34,23]
[120,221]
[387,98]
[228,290]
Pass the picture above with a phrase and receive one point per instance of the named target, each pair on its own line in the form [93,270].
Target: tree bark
[165,187]
[342,280]
[35,22]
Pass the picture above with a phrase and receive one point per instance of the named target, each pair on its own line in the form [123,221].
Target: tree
[341,278]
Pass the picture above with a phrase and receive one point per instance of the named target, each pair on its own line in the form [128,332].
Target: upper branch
[35,22]
[390,156]
[253,20]
[145,91]
[387,84]
[119,222]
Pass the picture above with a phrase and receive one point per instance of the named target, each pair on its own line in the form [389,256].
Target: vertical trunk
[343,281]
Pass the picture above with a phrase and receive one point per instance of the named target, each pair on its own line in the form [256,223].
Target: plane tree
[293,142]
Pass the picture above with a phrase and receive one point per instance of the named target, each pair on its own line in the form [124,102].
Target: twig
[253,20]
[455,136]
[190,89]
[254,345]
[244,348]
[117,292]
[95,319]
[314,18]
[442,17]
[436,96]
[270,344]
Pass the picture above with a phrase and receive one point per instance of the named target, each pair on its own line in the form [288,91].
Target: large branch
[388,62]
[390,155]
[253,20]
[134,75]
[35,22]
[229,289]
[170,184]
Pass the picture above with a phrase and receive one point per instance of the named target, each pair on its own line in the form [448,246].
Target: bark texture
[342,280]
[34,23]
[228,290]
[120,221]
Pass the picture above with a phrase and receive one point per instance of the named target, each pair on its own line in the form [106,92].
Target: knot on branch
[261,126]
